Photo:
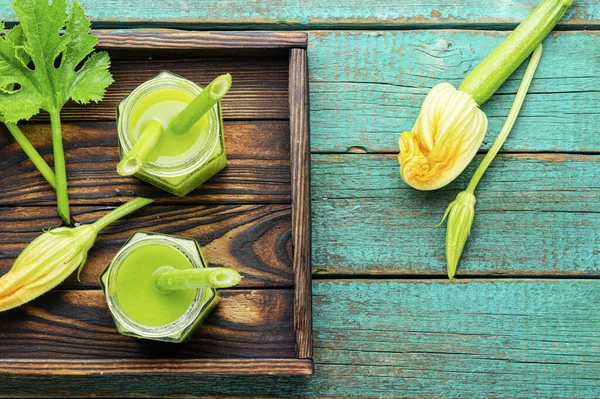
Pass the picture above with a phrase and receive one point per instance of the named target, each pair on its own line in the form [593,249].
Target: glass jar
[138,308]
[179,163]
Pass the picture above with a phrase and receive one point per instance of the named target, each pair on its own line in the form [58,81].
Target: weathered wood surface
[202,42]
[77,325]
[328,14]
[96,368]
[412,339]
[425,338]
[536,214]
[255,240]
[367,87]
[301,198]
[258,169]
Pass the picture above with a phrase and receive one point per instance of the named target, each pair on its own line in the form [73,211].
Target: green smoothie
[163,104]
[178,163]
[136,292]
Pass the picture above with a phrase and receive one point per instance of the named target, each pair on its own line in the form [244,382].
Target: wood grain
[411,339]
[174,40]
[326,14]
[301,226]
[120,368]
[255,240]
[258,168]
[77,325]
[259,89]
[367,87]
[536,215]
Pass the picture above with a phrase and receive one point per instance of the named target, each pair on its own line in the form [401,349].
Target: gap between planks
[110,206]
[441,278]
[319,26]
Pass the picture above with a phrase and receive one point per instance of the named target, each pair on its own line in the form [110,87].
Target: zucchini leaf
[45,60]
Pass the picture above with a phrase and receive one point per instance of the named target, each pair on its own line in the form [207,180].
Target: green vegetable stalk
[135,158]
[461,211]
[451,127]
[53,256]
[31,152]
[42,67]
[212,94]
[167,278]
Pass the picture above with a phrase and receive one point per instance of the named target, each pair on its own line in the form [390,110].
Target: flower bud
[52,257]
[46,262]
[448,132]
[460,215]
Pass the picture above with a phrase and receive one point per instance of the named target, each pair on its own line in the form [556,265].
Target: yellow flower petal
[46,262]
[445,138]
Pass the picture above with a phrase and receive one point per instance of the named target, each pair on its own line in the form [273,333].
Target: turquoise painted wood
[536,214]
[310,14]
[367,87]
[505,339]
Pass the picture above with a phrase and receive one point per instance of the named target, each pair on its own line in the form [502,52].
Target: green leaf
[56,43]
[24,101]
[91,81]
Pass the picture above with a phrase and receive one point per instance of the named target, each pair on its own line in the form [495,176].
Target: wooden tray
[254,216]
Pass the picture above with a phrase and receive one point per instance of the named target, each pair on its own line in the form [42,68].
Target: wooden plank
[513,182]
[259,89]
[411,339]
[311,14]
[253,239]
[491,338]
[367,87]
[186,40]
[258,168]
[119,367]
[77,325]
[301,224]
[535,215]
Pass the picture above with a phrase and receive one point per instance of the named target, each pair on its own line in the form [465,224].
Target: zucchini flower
[446,136]
[53,256]
[450,126]
[461,211]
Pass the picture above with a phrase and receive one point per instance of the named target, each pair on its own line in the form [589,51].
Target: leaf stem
[489,75]
[168,278]
[510,120]
[200,105]
[60,170]
[32,153]
[120,212]
[135,158]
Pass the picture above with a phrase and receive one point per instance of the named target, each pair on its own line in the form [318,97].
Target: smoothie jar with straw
[160,287]
[171,132]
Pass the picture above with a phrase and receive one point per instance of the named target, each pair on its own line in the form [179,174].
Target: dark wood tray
[254,216]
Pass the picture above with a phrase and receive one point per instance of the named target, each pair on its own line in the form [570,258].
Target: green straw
[203,103]
[168,279]
[135,158]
